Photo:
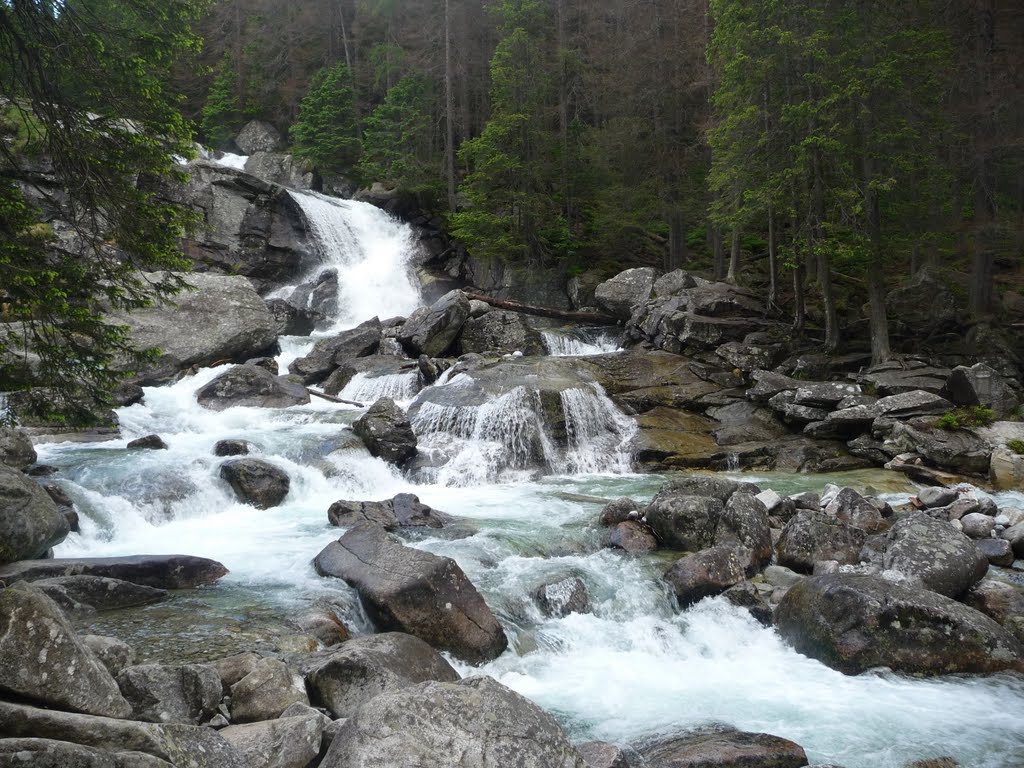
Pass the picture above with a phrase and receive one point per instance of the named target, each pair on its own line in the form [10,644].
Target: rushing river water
[631,668]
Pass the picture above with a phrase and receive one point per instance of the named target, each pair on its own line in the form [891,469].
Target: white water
[562,344]
[229,160]
[400,387]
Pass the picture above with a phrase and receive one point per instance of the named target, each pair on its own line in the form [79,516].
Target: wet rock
[232,448]
[371,367]
[387,432]
[707,573]
[327,354]
[601,754]
[936,497]
[810,536]
[983,385]
[620,295]
[256,482]
[744,422]
[147,443]
[850,507]
[293,320]
[98,592]
[854,623]
[251,386]
[721,747]
[180,745]
[943,559]
[114,654]
[290,742]
[431,330]
[157,571]
[16,449]
[50,753]
[977,525]
[171,693]
[502,332]
[634,537]
[684,522]
[715,486]
[998,551]
[43,660]
[560,598]
[324,626]
[744,521]
[30,523]
[403,511]
[1001,602]
[745,595]
[343,679]
[1014,534]
[446,725]
[258,136]
[412,591]
[266,691]
[619,511]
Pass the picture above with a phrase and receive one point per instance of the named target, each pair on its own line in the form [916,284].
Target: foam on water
[562,344]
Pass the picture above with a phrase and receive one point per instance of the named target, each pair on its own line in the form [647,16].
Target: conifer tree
[325,132]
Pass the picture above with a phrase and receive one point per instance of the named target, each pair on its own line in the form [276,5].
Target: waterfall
[400,387]
[370,252]
[599,434]
[579,343]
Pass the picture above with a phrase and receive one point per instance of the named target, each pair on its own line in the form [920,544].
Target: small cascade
[599,434]
[580,344]
[369,251]
[400,387]
[229,160]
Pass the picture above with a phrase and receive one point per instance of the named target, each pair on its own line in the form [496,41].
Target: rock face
[408,590]
[943,559]
[626,291]
[256,482]
[403,511]
[502,332]
[344,679]
[223,318]
[853,623]
[158,571]
[43,660]
[387,432]
[981,384]
[171,693]
[475,722]
[725,748]
[431,330]
[30,522]
[16,449]
[250,385]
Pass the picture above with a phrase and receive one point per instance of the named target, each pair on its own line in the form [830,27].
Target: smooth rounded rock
[266,691]
[16,449]
[944,559]
[256,482]
[30,522]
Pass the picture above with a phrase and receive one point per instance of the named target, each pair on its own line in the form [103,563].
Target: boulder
[180,745]
[943,559]
[256,482]
[744,522]
[98,592]
[720,747]
[1001,602]
[233,668]
[811,536]
[562,597]
[43,660]
[977,525]
[50,753]
[220,318]
[231,448]
[387,432]
[30,522]
[746,596]
[634,537]
[684,522]
[997,551]
[252,386]
[408,590]
[957,450]
[1014,534]
[290,742]
[431,330]
[983,385]
[850,507]
[343,679]
[147,443]
[292,320]
[171,693]
[258,136]
[502,332]
[16,449]
[327,354]
[628,290]
[157,571]
[114,654]
[266,691]
[601,754]
[715,486]
[707,573]
[619,511]
[854,623]
[403,511]
[937,497]
[476,722]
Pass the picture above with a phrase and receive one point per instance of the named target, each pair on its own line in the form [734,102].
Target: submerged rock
[403,511]
[98,592]
[560,598]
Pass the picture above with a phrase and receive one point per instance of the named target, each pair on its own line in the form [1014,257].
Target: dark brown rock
[158,571]
[387,432]
[634,537]
[256,482]
[707,573]
[725,748]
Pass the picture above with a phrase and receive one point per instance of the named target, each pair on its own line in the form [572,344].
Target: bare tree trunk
[820,257]
[734,257]
[676,255]
[718,252]
[449,108]
[879,320]
[799,300]
[773,262]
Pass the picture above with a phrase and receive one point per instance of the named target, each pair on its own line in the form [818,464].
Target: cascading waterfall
[400,387]
[599,434]
[562,344]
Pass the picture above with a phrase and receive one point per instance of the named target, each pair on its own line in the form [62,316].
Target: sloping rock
[266,691]
[811,536]
[673,439]
[16,449]
[387,432]
[256,482]
[222,318]
[43,660]
[957,450]
[707,573]
[431,330]
[408,590]
[854,623]
[634,537]
[943,559]
[157,571]
[620,295]
[250,385]
[475,722]
[502,332]
[49,753]
[291,742]
[30,522]
[327,354]
[403,511]
[981,384]
[744,422]
[345,678]
[725,748]
[98,592]
[114,654]
[171,693]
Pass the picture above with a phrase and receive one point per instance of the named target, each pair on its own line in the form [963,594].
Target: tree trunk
[718,252]
[820,257]
[676,255]
[530,309]
[734,257]
[449,108]
[799,301]
[879,320]
[773,262]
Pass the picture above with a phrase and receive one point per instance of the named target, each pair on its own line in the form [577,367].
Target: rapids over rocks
[526,452]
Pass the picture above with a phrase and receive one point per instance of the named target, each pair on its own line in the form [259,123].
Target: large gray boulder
[343,679]
[266,691]
[256,482]
[43,660]
[290,742]
[810,536]
[981,384]
[431,330]
[221,318]
[157,571]
[88,593]
[403,511]
[51,753]
[744,522]
[707,573]
[408,590]
[387,432]
[725,748]
[171,693]
[258,136]
[684,522]
[16,449]
[476,722]
[957,450]
[628,290]
[855,622]
[327,354]
[30,523]
[502,332]
[935,552]
[253,386]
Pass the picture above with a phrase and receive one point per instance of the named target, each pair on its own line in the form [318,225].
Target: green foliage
[222,115]
[89,92]
[325,131]
[1017,446]
[962,418]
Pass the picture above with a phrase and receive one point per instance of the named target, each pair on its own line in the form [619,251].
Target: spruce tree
[325,131]
[222,115]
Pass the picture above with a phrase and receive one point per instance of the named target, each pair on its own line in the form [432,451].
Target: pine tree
[325,131]
[222,115]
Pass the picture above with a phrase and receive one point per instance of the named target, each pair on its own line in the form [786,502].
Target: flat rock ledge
[158,571]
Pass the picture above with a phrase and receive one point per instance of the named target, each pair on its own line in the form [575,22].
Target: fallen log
[529,309]
[333,399]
